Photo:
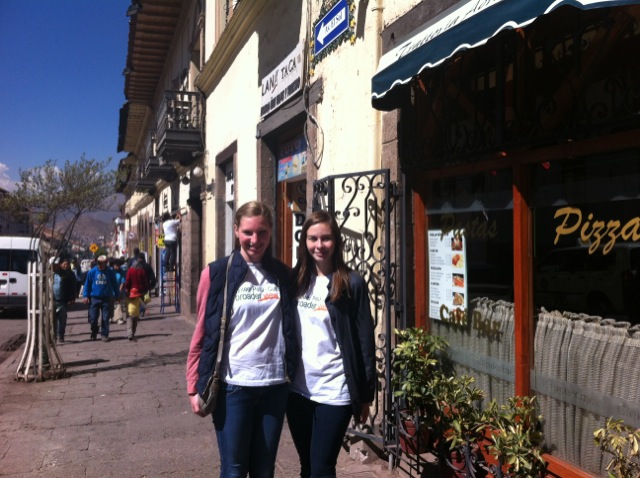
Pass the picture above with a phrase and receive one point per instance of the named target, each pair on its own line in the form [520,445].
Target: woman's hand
[195,405]
[364,413]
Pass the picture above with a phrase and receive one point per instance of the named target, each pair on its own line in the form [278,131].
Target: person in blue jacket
[336,378]
[100,287]
[259,353]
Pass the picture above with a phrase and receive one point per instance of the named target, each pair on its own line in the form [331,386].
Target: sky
[61,86]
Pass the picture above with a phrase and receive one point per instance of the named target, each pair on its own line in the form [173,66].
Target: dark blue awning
[468,24]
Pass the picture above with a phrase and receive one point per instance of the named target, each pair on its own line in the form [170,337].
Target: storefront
[284,143]
[520,138]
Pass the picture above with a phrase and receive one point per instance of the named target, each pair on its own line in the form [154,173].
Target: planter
[412,442]
[458,467]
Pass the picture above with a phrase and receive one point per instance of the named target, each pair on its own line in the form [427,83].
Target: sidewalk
[122,412]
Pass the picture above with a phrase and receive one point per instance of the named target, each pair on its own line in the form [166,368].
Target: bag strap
[223,323]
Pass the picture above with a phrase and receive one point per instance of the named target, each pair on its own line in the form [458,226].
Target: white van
[15,254]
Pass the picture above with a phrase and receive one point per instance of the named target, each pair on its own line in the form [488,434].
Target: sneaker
[105,338]
[120,322]
[94,336]
[131,337]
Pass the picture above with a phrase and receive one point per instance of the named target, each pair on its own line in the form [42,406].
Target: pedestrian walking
[133,312]
[151,281]
[259,354]
[77,272]
[137,279]
[336,378]
[64,293]
[99,289]
[120,304]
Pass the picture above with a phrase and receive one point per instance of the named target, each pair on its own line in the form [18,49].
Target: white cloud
[5,181]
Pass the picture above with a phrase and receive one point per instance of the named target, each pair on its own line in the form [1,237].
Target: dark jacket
[353,325]
[64,286]
[151,276]
[275,271]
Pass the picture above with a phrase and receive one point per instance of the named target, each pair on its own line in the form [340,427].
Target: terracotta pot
[460,468]
[410,442]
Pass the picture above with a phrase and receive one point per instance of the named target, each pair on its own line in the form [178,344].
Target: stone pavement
[122,411]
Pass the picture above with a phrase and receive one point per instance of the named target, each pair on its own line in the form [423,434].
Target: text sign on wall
[283,82]
[330,26]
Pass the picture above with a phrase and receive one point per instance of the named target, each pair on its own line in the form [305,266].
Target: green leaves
[417,358]
[622,442]
[516,439]
[47,194]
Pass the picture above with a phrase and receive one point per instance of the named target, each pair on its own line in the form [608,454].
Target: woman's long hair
[306,267]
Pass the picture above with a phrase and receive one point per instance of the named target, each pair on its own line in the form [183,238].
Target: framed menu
[447,276]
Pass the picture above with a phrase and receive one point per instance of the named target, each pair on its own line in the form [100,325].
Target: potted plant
[515,439]
[623,443]
[458,423]
[417,359]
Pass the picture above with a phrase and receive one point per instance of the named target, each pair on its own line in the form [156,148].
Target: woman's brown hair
[305,267]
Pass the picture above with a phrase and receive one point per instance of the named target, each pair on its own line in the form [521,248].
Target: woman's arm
[197,339]
[366,334]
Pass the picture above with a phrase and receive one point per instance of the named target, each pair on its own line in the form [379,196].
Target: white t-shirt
[254,345]
[170,229]
[320,376]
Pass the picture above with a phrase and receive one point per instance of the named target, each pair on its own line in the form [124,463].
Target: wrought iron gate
[365,205]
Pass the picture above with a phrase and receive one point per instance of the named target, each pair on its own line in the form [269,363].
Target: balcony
[179,128]
[151,168]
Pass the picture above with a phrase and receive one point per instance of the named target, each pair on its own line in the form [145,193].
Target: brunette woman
[336,378]
[260,351]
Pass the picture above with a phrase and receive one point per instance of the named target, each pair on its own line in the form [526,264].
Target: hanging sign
[330,26]
[283,82]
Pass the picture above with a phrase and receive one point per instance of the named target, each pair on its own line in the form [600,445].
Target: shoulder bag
[208,399]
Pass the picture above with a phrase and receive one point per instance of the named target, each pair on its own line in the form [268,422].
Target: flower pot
[458,466]
[412,442]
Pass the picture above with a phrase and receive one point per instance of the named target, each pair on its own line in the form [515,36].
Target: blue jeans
[96,306]
[248,423]
[318,432]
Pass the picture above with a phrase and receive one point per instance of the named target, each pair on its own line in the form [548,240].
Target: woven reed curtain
[598,355]
[498,346]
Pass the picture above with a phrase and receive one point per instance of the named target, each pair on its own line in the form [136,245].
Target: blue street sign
[331,26]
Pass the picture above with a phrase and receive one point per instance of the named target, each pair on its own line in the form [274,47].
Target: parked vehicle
[15,254]
[571,279]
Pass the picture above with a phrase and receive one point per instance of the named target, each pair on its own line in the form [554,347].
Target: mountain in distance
[93,227]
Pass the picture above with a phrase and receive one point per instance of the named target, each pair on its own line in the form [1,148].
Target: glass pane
[586,282]
[470,270]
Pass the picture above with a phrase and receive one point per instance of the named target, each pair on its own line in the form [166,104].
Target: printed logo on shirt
[101,279]
[258,293]
[313,303]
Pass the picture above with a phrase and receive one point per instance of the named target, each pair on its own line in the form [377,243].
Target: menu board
[447,276]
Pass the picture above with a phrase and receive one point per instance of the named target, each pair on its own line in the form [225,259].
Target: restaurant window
[586,283]
[470,276]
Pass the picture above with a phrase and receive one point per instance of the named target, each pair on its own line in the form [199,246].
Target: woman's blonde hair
[254,209]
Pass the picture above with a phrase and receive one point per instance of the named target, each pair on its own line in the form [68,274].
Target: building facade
[481,158]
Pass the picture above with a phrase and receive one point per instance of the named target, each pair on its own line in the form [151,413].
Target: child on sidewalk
[133,309]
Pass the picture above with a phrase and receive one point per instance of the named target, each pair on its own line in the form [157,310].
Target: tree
[49,195]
